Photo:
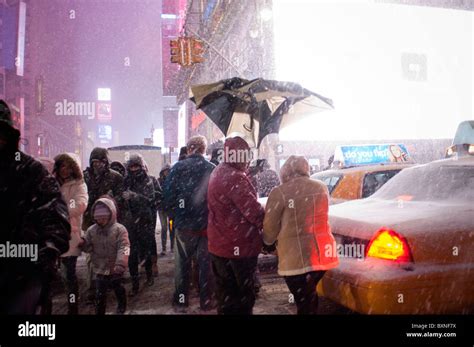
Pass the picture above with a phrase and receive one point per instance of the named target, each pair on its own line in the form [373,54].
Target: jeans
[235,284]
[164,221]
[189,243]
[68,274]
[303,288]
[102,284]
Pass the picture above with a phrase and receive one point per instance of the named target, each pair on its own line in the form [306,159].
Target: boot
[100,304]
[135,286]
[121,303]
[154,265]
[149,280]
[149,276]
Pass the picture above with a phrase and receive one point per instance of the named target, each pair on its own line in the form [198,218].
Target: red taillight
[387,244]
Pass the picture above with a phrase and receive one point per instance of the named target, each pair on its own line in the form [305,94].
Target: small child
[108,244]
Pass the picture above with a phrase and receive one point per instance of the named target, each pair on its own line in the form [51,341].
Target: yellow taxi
[362,169]
[357,182]
[408,248]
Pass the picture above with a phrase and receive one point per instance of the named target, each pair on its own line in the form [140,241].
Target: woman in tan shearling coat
[296,218]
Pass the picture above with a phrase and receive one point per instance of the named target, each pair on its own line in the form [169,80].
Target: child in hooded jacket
[109,247]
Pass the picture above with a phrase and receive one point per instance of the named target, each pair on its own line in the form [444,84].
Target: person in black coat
[140,195]
[102,180]
[32,213]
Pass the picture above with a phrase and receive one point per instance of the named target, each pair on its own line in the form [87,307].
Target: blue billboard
[371,154]
[8,36]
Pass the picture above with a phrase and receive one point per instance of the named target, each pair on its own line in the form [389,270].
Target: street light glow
[387,81]
[104,94]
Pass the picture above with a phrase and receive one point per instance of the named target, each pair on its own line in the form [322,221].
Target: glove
[127,195]
[268,248]
[118,270]
[81,243]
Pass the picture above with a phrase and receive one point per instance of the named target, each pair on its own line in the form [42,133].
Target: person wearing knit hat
[32,211]
[101,214]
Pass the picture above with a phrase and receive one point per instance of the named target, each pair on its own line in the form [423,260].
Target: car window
[331,181]
[373,181]
[431,183]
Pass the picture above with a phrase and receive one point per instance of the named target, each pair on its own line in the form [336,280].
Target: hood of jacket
[109,203]
[119,167]
[136,159]
[295,166]
[72,160]
[237,153]
[99,154]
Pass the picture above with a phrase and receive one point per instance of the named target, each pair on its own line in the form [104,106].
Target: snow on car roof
[460,161]
[365,168]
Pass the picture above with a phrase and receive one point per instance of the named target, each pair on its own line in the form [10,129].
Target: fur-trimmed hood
[70,159]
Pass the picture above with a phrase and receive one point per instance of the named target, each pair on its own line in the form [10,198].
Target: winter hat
[101,210]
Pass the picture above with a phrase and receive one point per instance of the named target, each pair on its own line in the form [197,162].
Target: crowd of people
[209,209]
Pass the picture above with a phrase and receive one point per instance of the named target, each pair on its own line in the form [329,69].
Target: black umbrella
[256,108]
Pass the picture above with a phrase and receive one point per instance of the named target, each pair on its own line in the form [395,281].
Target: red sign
[197,119]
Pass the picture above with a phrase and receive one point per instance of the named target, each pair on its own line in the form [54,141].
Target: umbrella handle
[249,128]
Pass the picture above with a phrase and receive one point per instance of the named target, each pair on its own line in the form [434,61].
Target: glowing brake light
[387,244]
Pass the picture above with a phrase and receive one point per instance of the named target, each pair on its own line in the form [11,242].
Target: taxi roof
[365,168]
